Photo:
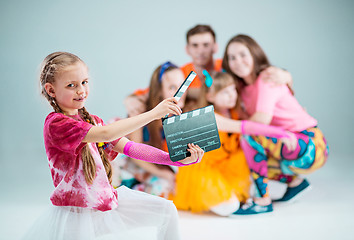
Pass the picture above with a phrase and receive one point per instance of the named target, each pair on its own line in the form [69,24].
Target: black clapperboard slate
[197,126]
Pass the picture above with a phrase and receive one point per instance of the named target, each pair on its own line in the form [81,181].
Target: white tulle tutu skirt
[138,216]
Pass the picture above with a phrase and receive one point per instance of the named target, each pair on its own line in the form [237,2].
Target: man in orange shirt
[201,46]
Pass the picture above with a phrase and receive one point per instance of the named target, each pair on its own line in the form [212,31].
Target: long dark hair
[260,59]
[155,97]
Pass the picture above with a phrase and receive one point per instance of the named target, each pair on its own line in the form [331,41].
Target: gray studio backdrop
[123,41]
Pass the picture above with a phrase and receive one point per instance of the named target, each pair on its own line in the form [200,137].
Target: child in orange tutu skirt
[222,180]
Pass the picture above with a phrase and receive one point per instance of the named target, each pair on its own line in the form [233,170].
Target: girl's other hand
[167,106]
[276,76]
[290,142]
[196,154]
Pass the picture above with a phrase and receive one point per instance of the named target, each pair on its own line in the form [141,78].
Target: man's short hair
[200,29]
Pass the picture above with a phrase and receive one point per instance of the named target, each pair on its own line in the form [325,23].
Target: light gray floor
[325,212]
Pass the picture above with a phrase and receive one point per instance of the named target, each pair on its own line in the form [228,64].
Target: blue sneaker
[253,208]
[294,192]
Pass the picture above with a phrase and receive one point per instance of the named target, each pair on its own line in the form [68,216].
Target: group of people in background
[265,133]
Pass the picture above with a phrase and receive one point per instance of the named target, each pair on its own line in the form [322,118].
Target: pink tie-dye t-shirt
[63,137]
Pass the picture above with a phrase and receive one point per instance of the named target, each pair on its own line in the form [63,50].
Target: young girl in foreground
[222,180]
[79,147]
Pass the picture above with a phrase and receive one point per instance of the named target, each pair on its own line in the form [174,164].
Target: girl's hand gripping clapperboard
[198,127]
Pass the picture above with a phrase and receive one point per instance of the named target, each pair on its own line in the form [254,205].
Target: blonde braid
[55,106]
[107,165]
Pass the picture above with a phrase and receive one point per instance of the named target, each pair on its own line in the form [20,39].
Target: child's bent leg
[268,158]
[311,152]
[279,158]
[312,155]
[257,162]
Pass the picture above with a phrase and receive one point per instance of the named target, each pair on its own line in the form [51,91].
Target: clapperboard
[197,126]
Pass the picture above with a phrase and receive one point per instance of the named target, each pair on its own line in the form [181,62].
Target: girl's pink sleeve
[64,132]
